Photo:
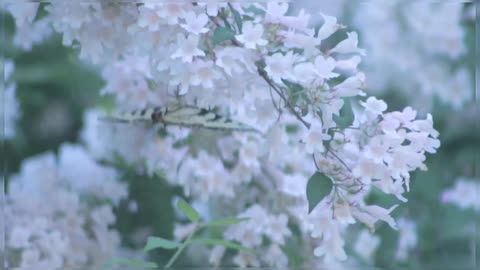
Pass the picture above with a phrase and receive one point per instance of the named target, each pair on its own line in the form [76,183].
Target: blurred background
[419,54]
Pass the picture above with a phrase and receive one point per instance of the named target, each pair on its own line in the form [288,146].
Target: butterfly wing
[136,116]
[186,116]
[197,117]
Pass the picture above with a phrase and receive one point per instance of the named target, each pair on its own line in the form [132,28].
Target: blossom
[251,35]
[280,66]
[366,244]
[374,106]
[407,238]
[275,11]
[329,27]
[314,138]
[172,11]
[229,60]
[187,48]
[277,228]
[203,73]
[464,194]
[348,45]
[378,212]
[195,24]
[148,18]
[61,229]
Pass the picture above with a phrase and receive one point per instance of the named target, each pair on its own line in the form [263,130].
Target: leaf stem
[181,248]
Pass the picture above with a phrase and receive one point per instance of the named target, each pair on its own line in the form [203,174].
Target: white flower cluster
[407,239]
[28,30]
[366,244]
[9,107]
[379,150]
[59,211]
[261,224]
[267,69]
[414,44]
[464,194]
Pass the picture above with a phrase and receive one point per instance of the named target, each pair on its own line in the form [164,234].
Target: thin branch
[264,75]
[339,159]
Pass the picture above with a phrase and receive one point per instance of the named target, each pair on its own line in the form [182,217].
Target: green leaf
[224,222]
[222,34]
[237,17]
[158,242]
[220,242]
[254,10]
[318,186]
[191,213]
[135,263]
[346,117]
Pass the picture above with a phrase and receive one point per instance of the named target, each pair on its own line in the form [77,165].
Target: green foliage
[222,34]
[64,89]
[155,242]
[318,186]
[191,213]
[224,222]
[158,242]
[237,17]
[346,117]
[136,264]
[220,242]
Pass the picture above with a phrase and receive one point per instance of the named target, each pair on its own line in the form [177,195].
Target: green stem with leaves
[181,248]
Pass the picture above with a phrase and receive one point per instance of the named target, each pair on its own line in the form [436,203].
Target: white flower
[20,237]
[324,67]
[204,73]
[343,214]
[329,27]
[348,45]
[103,216]
[195,24]
[314,138]
[275,257]
[348,65]
[306,41]
[148,18]
[407,238]
[280,66]
[23,12]
[229,59]
[251,35]
[187,48]
[30,257]
[298,22]
[378,212]
[374,106]
[245,259]
[331,245]
[464,194]
[171,11]
[275,11]
[366,244]
[351,86]
[216,255]
[277,228]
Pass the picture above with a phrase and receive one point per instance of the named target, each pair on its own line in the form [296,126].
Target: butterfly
[183,116]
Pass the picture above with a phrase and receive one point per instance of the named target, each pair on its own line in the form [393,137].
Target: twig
[339,159]
[264,75]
